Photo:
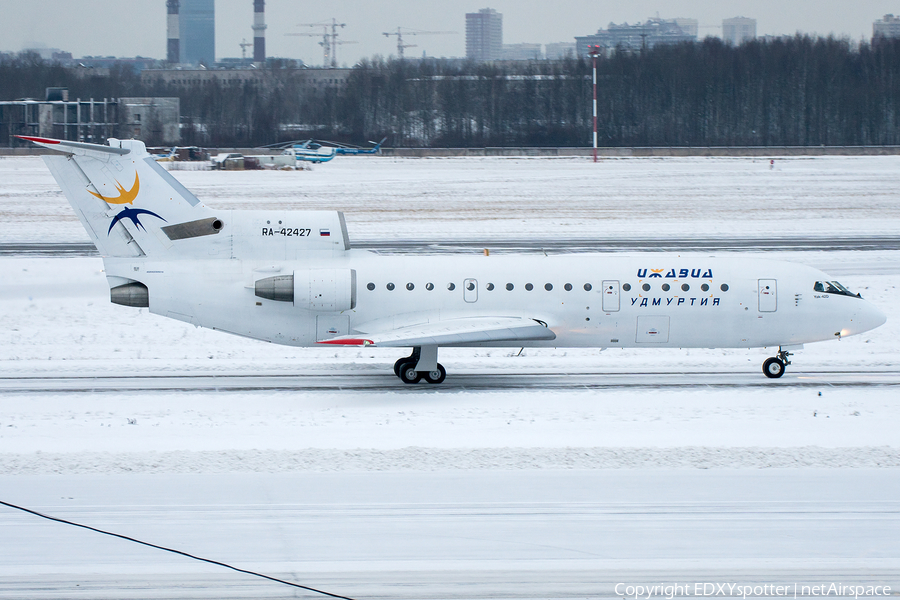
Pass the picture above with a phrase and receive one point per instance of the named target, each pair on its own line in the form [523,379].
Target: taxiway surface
[521,380]
[561,534]
[549,245]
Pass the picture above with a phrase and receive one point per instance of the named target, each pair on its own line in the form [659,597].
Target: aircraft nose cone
[869,317]
[878,317]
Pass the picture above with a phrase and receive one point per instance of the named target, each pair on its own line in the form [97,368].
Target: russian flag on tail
[324,233]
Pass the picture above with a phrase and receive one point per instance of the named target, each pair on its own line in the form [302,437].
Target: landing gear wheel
[436,376]
[408,373]
[414,357]
[773,368]
[399,364]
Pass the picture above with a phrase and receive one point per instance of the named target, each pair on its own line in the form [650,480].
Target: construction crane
[401,31]
[244,45]
[329,41]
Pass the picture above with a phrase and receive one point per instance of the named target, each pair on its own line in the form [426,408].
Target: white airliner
[290,277]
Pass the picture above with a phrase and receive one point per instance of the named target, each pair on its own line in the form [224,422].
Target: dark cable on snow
[200,558]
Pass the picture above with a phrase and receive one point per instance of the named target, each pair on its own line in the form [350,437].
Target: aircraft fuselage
[291,277]
[587,300]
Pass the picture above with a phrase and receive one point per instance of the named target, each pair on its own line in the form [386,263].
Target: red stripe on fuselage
[350,342]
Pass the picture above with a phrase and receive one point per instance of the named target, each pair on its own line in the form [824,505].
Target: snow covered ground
[450,534]
[57,322]
[516,197]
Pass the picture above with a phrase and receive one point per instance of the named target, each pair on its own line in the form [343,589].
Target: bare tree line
[797,91]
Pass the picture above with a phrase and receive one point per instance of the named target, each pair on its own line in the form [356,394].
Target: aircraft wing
[451,332]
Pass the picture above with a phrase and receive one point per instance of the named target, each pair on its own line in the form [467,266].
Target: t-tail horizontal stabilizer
[122,196]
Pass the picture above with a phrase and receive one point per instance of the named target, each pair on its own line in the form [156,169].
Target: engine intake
[133,294]
[279,288]
[326,290]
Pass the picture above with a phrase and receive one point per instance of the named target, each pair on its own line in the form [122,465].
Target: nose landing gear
[421,364]
[773,368]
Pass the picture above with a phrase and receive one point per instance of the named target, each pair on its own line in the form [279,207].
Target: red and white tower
[594,52]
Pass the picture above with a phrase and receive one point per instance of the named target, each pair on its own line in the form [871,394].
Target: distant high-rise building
[484,35]
[738,30]
[688,26]
[197,27]
[44,52]
[521,52]
[635,37]
[559,50]
[887,26]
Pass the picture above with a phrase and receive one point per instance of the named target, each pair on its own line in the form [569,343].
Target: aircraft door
[331,326]
[768,299]
[470,290]
[610,296]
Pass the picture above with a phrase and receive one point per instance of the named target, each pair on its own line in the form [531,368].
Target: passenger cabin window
[833,287]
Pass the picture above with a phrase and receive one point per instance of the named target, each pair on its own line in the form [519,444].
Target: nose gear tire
[773,368]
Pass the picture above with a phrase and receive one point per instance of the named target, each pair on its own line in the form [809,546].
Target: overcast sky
[138,27]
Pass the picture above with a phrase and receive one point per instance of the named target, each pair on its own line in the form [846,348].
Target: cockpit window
[833,287]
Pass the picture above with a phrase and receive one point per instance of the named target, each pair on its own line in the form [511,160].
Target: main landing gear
[773,367]
[421,364]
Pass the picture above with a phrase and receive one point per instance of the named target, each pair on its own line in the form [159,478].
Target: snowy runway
[556,473]
[450,535]
[549,245]
[458,382]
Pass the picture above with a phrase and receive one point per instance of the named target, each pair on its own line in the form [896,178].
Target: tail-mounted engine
[324,290]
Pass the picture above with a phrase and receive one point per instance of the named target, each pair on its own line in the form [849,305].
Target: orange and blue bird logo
[127,197]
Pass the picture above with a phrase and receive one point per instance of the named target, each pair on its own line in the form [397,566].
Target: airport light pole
[593,51]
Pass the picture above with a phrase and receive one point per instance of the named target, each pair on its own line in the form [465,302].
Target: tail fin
[129,205]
